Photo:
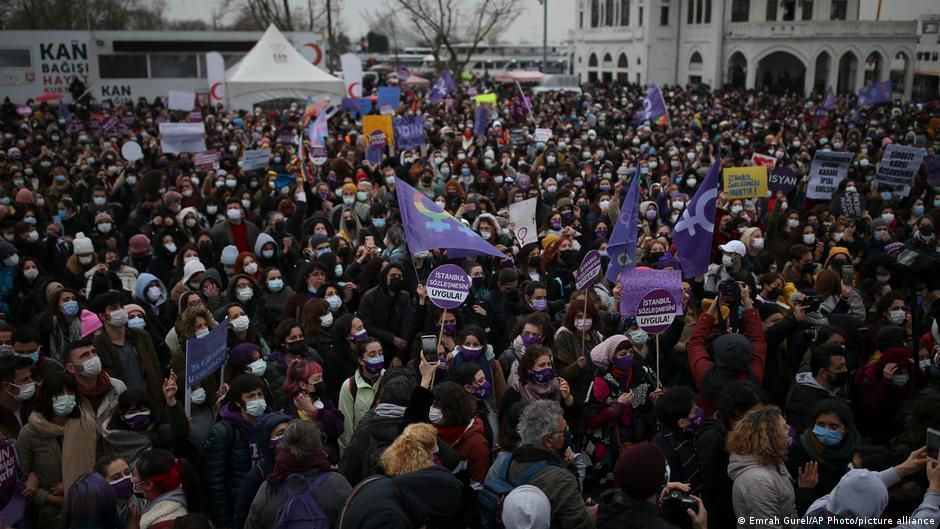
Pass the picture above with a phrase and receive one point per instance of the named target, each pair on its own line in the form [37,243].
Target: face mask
[639,337]
[543,375]
[793,223]
[198,396]
[211,210]
[650,214]
[884,278]
[31,273]
[851,189]
[256,407]
[897,316]
[900,379]
[837,236]
[697,419]
[202,333]
[275,285]
[361,196]
[123,488]
[137,421]
[118,318]
[257,367]
[326,320]
[727,260]
[539,304]
[267,254]
[26,391]
[736,209]
[131,180]
[483,390]
[335,302]
[887,217]
[234,214]
[63,405]
[919,210]
[528,340]
[171,248]
[245,294]
[85,259]
[240,324]
[378,223]
[624,364]
[70,308]
[349,201]
[375,365]
[137,322]
[826,436]
[13,260]
[470,353]
[435,415]
[154,293]
[691,182]
[809,238]
[251,268]
[583,324]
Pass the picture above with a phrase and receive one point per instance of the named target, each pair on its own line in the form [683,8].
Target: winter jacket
[164,509]
[375,433]
[222,236]
[354,409]
[761,492]
[227,458]
[146,357]
[429,498]
[616,510]
[387,316]
[254,479]
[716,484]
[803,398]
[330,496]
[559,485]
[106,405]
[473,448]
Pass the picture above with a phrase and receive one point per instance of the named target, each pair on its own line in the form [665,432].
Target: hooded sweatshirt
[761,491]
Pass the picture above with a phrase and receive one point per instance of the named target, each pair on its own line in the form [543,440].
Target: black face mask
[838,380]
[396,284]
[569,256]
[656,255]
[296,348]
[774,293]
[534,261]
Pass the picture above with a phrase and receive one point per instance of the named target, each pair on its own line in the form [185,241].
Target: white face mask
[245,294]
[234,214]
[202,333]
[251,268]
[727,260]
[240,324]
[897,317]
[85,259]
[31,273]
[757,243]
[258,367]
[809,238]
[793,223]
[154,293]
[26,391]
[198,396]
[326,320]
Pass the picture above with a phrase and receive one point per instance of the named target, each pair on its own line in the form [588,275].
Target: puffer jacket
[227,457]
[761,492]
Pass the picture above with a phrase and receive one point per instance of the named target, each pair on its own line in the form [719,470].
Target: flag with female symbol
[874,93]
[654,107]
[622,245]
[693,232]
[443,87]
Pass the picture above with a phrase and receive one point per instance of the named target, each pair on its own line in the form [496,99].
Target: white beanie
[527,507]
[82,245]
[229,254]
[191,268]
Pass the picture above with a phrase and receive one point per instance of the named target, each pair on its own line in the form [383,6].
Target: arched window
[592,60]
[595,13]
[622,61]
[609,13]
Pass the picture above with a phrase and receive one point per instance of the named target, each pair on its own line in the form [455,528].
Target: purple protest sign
[376,149]
[409,132]
[448,286]
[128,120]
[318,155]
[75,127]
[781,179]
[636,283]
[206,159]
[194,117]
[403,74]
[656,310]
[110,125]
[24,110]
[589,270]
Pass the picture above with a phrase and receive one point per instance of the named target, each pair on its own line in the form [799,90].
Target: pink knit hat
[90,323]
[25,196]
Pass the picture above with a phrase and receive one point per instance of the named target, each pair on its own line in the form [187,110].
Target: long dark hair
[167,472]
[90,503]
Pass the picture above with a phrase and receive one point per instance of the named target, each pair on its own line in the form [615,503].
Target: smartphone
[848,274]
[470,206]
[370,241]
[933,444]
[429,347]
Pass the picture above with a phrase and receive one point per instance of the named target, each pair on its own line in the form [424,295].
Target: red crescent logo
[349,91]
[212,91]
[318,58]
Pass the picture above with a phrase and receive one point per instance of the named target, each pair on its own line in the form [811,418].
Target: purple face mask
[450,329]
[696,421]
[624,363]
[137,421]
[482,391]
[529,341]
[540,304]
[543,375]
[792,435]
[123,488]
[470,353]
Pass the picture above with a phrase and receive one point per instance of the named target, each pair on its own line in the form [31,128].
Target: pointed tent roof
[275,69]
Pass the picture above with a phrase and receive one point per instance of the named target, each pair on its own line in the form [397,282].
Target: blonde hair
[758,434]
[413,450]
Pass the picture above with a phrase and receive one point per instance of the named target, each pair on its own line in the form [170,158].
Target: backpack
[300,510]
[494,492]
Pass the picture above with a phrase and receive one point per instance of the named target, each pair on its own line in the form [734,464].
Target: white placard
[828,170]
[182,137]
[543,135]
[522,214]
[131,151]
[181,100]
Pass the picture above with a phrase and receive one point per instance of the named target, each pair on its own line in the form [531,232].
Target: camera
[729,291]
[812,303]
[676,502]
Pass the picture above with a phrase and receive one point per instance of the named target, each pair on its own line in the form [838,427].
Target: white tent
[273,69]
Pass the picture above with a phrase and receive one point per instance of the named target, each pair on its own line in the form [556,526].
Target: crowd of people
[796,389]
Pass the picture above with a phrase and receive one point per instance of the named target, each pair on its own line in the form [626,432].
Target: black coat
[226,461]
[427,498]
[616,510]
[387,316]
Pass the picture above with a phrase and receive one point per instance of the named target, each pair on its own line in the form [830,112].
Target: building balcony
[822,29]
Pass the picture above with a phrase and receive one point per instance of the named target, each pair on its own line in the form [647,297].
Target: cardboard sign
[448,286]
[206,160]
[409,132]
[763,160]
[827,171]
[543,135]
[256,159]
[589,271]
[206,355]
[131,151]
[24,110]
[373,123]
[180,100]
[182,137]
[389,98]
[745,182]
[636,284]
[522,214]
[517,137]
[898,167]
[782,179]
[377,143]
[318,155]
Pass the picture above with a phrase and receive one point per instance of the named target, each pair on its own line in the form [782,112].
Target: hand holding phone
[429,347]
[933,444]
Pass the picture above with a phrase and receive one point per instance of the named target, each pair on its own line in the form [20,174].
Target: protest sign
[206,160]
[763,160]
[205,356]
[656,310]
[131,151]
[522,214]
[827,171]
[933,170]
[181,100]
[12,502]
[745,182]
[373,123]
[75,127]
[782,179]
[481,118]
[589,270]
[448,286]
[365,105]
[351,105]
[24,110]
[377,143]
[487,98]
[318,155]
[182,137]
[898,167]
[543,135]
[409,132]
[256,159]
[389,98]
[195,116]
[635,284]
[110,125]
[517,137]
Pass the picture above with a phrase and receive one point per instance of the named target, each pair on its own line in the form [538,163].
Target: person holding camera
[646,498]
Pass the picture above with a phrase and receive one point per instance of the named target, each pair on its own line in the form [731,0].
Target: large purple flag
[874,93]
[443,87]
[427,226]
[829,102]
[64,112]
[653,105]
[693,233]
[622,245]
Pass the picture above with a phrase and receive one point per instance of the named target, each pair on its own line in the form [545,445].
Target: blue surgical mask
[33,357]
[275,285]
[639,337]
[256,407]
[63,404]
[826,436]
[71,308]
[378,223]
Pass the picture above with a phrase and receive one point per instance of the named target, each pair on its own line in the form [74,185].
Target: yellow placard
[489,97]
[372,123]
[745,182]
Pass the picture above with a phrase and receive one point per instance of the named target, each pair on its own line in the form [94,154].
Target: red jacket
[470,443]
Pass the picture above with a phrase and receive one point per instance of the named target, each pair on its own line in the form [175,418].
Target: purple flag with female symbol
[653,105]
[622,245]
[443,87]
[829,102]
[693,232]
[874,93]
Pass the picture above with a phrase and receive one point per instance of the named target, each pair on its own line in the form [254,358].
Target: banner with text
[898,167]
[827,171]
[637,282]
[745,182]
[409,132]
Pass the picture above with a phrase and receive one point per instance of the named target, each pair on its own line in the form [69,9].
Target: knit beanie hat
[25,196]
[82,245]
[90,323]
[139,244]
[641,471]
[242,353]
[527,507]
[229,254]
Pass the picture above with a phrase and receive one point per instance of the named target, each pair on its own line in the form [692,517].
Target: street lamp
[544,35]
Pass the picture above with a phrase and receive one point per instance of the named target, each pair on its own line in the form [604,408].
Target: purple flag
[64,113]
[427,226]
[693,232]
[829,102]
[653,105]
[874,93]
[480,119]
[622,245]
[443,87]
[318,130]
